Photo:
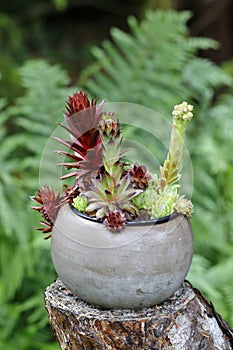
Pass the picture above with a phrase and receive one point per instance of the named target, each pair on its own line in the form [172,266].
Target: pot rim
[148,222]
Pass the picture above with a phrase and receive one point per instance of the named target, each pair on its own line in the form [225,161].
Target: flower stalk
[170,172]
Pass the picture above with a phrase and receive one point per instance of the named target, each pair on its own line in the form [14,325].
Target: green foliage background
[156,65]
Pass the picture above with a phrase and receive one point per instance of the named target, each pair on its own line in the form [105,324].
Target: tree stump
[185,321]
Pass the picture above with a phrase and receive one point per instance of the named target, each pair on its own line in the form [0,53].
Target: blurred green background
[155,53]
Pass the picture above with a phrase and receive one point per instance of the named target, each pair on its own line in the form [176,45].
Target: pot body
[139,267]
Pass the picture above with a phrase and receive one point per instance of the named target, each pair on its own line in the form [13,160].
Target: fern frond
[200,43]
[151,59]
[203,76]
[227,289]
[45,94]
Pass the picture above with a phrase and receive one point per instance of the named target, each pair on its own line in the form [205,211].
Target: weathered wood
[183,322]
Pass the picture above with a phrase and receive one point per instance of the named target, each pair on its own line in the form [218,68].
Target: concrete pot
[139,267]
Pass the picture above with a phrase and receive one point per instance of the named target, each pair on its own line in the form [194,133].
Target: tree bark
[185,321]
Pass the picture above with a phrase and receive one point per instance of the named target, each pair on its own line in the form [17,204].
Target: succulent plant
[80,203]
[115,221]
[49,206]
[82,117]
[139,176]
[106,196]
[105,186]
[184,206]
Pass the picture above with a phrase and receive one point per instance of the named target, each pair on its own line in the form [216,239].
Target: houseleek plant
[105,185]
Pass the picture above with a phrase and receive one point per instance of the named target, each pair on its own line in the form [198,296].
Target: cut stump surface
[185,321]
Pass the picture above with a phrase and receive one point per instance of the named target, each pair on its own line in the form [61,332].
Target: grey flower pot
[139,267]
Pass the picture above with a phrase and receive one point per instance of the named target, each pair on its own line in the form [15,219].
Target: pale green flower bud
[183,112]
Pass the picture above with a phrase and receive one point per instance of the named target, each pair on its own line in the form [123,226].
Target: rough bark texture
[183,322]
